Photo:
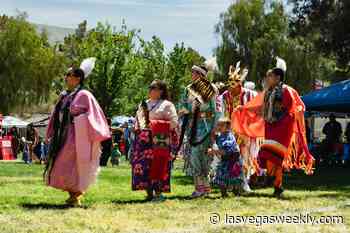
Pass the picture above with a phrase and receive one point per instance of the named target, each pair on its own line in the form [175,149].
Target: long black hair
[162,86]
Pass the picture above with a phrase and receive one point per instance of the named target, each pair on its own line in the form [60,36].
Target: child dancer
[228,174]
[115,155]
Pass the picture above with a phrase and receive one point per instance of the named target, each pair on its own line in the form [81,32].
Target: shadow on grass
[284,197]
[127,202]
[31,206]
[9,162]
[332,180]
[182,180]
[16,162]
[255,193]
[324,179]
[28,181]
[175,197]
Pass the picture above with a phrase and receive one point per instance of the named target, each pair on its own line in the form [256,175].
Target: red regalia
[285,140]
[160,150]
[151,162]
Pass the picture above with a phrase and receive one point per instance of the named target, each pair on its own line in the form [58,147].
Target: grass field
[26,205]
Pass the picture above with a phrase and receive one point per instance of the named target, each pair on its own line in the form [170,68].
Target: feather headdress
[202,89]
[211,64]
[249,85]
[236,75]
[281,64]
[87,65]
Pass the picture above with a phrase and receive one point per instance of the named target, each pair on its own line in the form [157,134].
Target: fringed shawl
[249,121]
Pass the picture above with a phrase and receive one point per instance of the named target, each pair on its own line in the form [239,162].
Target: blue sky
[190,21]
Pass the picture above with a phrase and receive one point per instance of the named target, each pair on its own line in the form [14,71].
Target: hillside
[55,34]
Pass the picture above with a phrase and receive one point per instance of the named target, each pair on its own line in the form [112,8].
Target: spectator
[26,156]
[330,148]
[118,135]
[14,140]
[126,139]
[32,140]
[347,133]
[106,148]
[332,130]
[131,139]
[115,155]
[41,151]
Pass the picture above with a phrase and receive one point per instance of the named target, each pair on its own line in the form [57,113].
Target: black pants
[106,152]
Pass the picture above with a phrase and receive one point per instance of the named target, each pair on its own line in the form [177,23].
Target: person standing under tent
[15,141]
[33,140]
[333,131]
[106,148]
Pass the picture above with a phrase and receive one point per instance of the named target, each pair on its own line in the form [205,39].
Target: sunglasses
[153,88]
[195,72]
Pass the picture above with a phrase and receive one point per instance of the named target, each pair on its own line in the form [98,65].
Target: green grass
[27,205]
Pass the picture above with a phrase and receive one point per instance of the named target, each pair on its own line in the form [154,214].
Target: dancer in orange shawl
[278,116]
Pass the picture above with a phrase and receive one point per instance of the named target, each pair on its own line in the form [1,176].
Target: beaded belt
[161,140]
[205,114]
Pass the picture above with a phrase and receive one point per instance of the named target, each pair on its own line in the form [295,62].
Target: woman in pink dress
[76,128]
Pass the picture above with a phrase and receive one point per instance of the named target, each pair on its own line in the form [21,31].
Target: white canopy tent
[9,121]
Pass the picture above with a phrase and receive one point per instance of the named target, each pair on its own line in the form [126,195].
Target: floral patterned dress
[153,148]
[229,170]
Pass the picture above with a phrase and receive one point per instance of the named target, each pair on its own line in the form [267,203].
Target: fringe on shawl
[248,121]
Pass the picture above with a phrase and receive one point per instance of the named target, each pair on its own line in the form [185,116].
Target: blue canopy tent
[120,120]
[334,99]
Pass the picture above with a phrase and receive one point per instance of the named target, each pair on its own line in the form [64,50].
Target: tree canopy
[127,64]
[313,39]
[255,32]
[328,21]
[28,65]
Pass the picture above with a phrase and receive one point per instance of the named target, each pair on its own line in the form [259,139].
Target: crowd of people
[32,147]
[119,144]
[227,137]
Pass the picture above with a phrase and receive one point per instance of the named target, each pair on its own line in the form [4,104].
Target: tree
[28,64]
[180,61]
[147,63]
[250,34]
[255,32]
[127,64]
[81,31]
[112,50]
[327,23]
